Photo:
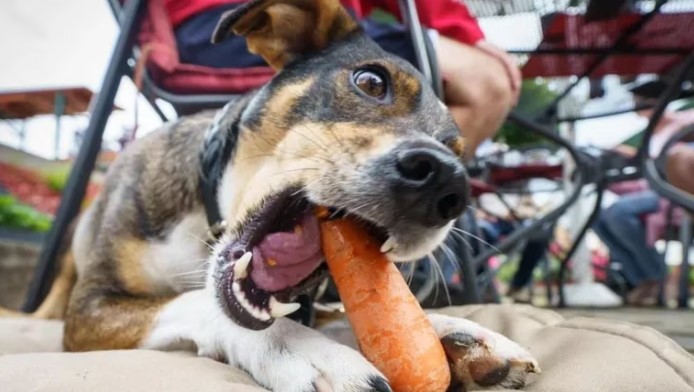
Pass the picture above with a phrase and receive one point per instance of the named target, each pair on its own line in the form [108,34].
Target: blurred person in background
[481,81]
[631,225]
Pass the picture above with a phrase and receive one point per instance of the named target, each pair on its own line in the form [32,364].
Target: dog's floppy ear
[280,30]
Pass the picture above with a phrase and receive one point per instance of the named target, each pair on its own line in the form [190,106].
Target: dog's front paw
[480,358]
[303,360]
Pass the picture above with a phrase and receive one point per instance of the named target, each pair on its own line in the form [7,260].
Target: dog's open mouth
[277,256]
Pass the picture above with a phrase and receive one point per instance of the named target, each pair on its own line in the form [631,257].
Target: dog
[203,235]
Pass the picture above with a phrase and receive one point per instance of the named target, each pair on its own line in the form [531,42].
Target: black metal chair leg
[86,158]
[686,238]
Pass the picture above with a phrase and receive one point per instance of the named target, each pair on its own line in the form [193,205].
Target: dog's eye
[370,82]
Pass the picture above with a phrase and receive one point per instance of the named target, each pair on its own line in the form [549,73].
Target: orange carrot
[391,328]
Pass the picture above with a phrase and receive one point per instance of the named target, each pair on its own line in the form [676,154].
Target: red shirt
[449,17]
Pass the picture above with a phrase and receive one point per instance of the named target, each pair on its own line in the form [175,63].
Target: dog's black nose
[430,184]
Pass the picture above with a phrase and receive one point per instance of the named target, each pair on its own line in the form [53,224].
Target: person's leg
[624,221]
[533,252]
[194,46]
[618,254]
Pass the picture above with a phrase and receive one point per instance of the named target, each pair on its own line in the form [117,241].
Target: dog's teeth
[388,245]
[264,315]
[261,314]
[255,311]
[241,266]
[279,309]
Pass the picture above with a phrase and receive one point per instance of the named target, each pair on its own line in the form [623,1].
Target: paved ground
[677,324]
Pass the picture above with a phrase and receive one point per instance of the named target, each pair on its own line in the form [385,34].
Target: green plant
[19,216]
[687,104]
[507,270]
[56,179]
[382,16]
[535,97]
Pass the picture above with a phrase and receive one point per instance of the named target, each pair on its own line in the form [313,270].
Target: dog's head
[343,125]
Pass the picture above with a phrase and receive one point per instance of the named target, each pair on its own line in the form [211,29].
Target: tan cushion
[135,370]
[575,355]
[30,336]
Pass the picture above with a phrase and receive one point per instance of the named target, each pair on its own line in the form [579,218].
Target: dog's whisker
[303,188]
[410,273]
[280,122]
[195,236]
[361,207]
[319,145]
[439,270]
[451,259]
[432,275]
[190,274]
[463,239]
[294,170]
[336,138]
[451,256]
[194,286]
[477,238]
[315,157]
[298,132]
[192,283]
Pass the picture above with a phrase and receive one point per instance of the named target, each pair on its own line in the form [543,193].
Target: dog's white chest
[179,263]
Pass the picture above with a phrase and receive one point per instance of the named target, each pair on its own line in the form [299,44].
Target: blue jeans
[621,228]
[194,47]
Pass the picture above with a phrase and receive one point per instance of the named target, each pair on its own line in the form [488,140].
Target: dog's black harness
[217,149]
[219,145]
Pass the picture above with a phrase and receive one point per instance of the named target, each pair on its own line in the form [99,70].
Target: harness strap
[220,140]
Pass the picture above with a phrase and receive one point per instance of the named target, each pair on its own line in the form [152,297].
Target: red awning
[21,104]
[656,47]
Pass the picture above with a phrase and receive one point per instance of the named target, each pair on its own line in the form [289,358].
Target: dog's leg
[99,319]
[480,358]
[286,357]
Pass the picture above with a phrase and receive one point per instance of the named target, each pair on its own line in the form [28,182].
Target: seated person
[481,81]
[680,166]
[621,226]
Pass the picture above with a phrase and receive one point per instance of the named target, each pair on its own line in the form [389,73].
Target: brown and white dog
[343,124]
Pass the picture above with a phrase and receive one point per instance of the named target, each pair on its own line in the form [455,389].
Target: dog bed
[577,354]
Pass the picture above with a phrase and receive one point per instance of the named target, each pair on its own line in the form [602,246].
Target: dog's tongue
[284,259]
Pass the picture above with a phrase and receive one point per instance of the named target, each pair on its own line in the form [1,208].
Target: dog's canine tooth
[388,245]
[279,309]
[241,266]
